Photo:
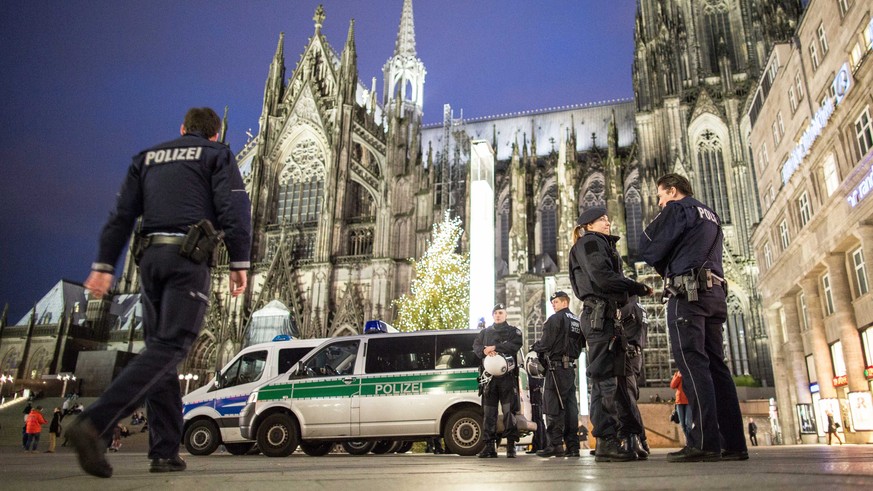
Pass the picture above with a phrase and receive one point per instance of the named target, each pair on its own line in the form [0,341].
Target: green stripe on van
[436,382]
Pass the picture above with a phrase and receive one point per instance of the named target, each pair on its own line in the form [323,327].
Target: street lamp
[3,380]
[66,377]
[187,378]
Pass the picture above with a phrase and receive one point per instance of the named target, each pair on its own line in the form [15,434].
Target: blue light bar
[282,337]
[375,327]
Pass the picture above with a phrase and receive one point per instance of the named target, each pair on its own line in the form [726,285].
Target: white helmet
[533,366]
[498,365]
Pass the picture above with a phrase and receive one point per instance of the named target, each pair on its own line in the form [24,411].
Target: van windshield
[334,359]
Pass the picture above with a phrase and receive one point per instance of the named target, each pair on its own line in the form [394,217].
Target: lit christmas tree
[439,296]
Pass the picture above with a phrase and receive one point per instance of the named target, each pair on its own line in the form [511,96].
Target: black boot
[609,449]
[635,445]
[510,449]
[489,452]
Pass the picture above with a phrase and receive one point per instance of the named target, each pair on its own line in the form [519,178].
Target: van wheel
[316,449]
[383,447]
[358,447]
[277,435]
[202,437]
[239,448]
[463,433]
[405,447]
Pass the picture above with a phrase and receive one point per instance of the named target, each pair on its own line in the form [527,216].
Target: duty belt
[163,240]
[690,283]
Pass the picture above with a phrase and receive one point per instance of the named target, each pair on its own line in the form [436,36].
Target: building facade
[812,138]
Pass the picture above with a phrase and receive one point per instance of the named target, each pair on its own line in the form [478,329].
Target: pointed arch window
[549,225]
[633,208]
[710,169]
[717,34]
[301,185]
[503,237]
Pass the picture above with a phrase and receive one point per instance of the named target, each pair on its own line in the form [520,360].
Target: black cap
[497,307]
[590,215]
[559,294]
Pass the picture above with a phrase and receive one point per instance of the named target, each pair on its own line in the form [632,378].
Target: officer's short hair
[676,181]
[202,120]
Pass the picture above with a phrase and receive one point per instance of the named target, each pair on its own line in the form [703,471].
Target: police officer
[560,347]
[172,186]
[631,431]
[535,388]
[684,245]
[499,339]
[597,280]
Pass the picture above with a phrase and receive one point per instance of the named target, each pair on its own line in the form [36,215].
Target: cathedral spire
[318,18]
[405,45]
[349,66]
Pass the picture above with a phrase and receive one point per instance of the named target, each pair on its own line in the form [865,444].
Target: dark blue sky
[86,84]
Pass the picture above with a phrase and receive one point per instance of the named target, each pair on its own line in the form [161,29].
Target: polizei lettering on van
[399,388]
[172,155]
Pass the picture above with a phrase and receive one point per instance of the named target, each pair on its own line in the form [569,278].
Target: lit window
[828,294]
[813,55]
[831,178]
[823,39]
[804,208]
[792,99]
[844,7]
[867,343]
[799,85]
[864,132]
[768,256]
[860,271]
[784,234]
[837,357]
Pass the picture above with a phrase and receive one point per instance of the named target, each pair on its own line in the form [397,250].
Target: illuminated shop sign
[868,372]
[813,131]
[841,381]
[861,190]
[841,85]
[861,406]
[813,387]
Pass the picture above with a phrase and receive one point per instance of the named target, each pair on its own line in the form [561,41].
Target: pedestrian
[632,431]
[116,438]
[54,429]
[753,432]
[597,279]
[684,244]
[182,191]
[559,348]
[833,426]
[498,339]
[583,435]
[35,420]
[27,410]
[682,411]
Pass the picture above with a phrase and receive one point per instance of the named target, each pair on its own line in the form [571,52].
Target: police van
[211,413]
[402,386]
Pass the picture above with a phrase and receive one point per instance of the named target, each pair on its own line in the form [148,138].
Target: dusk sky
[85,85]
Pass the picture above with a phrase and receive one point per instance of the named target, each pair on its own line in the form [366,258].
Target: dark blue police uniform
[561,346]
[684,244]
[506,340]
[172,186]
[597,280]
[632,431]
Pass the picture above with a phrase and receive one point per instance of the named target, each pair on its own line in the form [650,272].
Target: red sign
[868,372]
[841,381]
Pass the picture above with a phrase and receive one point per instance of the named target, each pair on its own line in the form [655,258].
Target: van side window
[403,354]
[334,359]
[456,351]
[247,368]
[289,356]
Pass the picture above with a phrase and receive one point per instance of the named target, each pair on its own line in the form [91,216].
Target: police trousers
[175,293]
[695,330]
[504,391]
[603,365]
[561,408]
[626,396]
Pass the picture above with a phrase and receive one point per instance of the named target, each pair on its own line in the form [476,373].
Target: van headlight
[253,397]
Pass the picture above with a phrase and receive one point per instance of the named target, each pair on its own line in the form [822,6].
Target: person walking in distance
[188,194]
[54,430]
[597,279]
[681,404]
[833,426]
[684,244]
[753,432]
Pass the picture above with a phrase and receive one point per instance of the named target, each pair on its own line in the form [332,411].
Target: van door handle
[348,380]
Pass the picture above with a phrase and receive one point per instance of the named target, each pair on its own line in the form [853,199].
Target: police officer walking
[632,431]
[180,189]
[684,245]
[597,280]
[560,347]
[499,339]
